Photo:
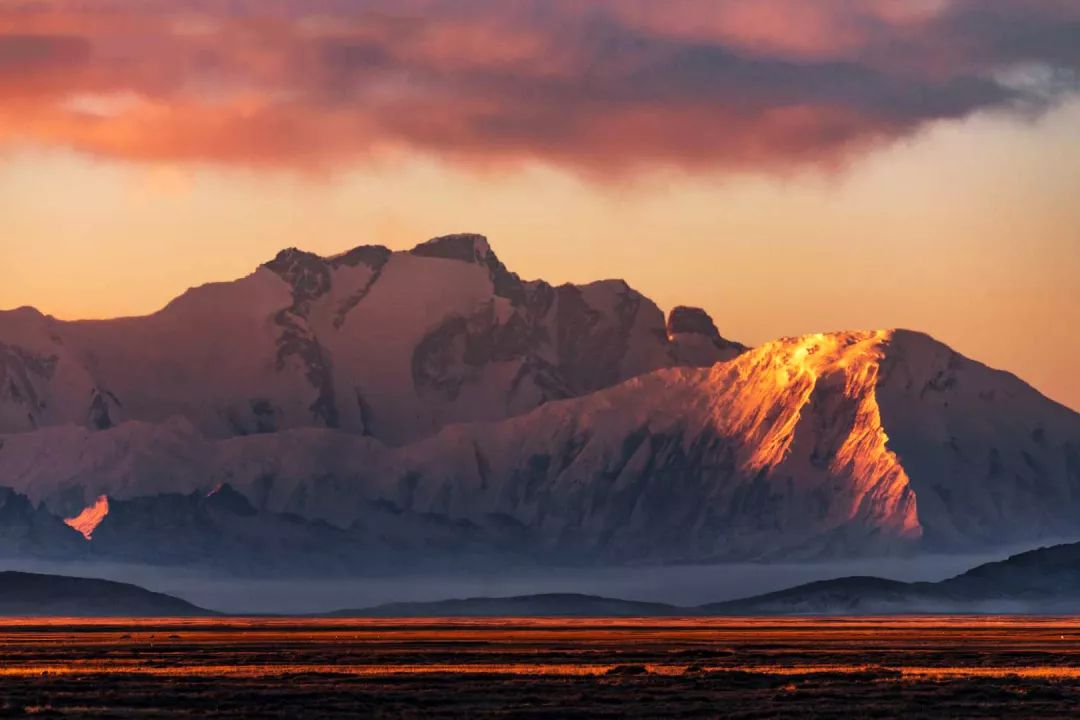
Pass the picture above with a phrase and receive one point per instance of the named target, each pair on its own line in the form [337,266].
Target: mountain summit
[391,345]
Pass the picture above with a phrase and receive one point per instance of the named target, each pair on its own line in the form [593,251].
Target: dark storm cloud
[601,86]
[996,31]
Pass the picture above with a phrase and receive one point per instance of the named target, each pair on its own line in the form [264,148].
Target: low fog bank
[679,585]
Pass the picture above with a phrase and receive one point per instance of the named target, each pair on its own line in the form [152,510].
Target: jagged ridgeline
[390,408]
[390,345]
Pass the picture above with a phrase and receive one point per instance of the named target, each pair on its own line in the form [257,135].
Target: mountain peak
[685,319]
[374,256]
[305,271]
[25,311]
[289,260]
[694,334]
[468,247]
[291,255]
[228,499]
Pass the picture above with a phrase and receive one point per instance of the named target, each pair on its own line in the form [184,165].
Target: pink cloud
[606,86]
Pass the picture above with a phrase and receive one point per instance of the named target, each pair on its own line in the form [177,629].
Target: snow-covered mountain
[836,444]
[392,345]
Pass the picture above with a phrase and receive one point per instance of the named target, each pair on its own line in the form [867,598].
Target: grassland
[743,667]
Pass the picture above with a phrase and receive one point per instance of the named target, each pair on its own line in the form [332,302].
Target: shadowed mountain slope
[31,594]
[1046,580]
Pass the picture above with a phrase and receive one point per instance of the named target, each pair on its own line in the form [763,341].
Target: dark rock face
[24,380]
[307,273]
[564,346]
[473,248]
[20,371]
[683,319]
[449,356]
[226,500]
[26,531]
[459,349]
[374,256]
[441,362]
[591,346]
[695,321]
[467,247]
[309,276]
[266,416]
[697,341]
[507,284]
[104,409]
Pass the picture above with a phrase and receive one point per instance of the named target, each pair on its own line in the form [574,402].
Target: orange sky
[905,164]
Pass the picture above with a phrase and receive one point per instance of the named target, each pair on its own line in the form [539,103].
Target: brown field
[743,667]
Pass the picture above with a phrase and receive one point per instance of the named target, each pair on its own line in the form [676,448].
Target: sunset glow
[888,164]
[540,358]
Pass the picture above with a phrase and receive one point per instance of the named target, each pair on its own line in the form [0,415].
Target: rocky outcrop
[697,341]
[21,372]
[309,277]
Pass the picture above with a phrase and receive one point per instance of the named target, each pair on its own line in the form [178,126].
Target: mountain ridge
[1041,581]
[394,345]
[1044,580]
[43,595]
[538,605]
[828,445]
[433,390]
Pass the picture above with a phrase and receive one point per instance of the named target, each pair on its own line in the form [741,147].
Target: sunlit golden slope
[88,520]
[807,408]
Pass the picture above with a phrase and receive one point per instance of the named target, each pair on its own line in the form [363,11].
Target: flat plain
[530,667]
